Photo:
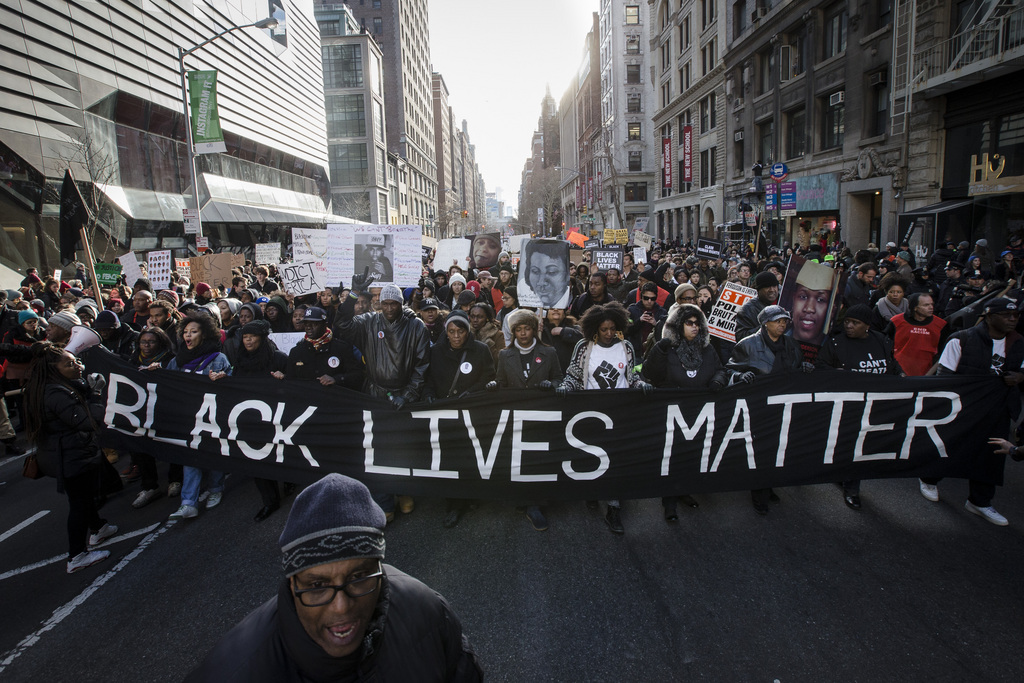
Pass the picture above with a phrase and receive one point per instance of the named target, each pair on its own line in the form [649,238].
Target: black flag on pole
[73,217]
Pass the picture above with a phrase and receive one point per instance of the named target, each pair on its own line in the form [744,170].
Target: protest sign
[616,236]
[590,244]
[722,321]
[215,269]
[544,274]
[159,268]
[107,274]
[530,445]
[452,252]
[300,278]
[709,249]
[427,246]
[575,238]
[285,341]
[267,253]
[605,258]
[485,247]
[132,270]
[515,243]
[310,244]
[639,256]
[184,269]
[642,239]
[811,293]
[391,254]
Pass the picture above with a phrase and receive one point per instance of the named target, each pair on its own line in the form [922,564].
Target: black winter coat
[69,441]
[664,369]
[338,360]
[544,365]
[754,354]
[414,636]
[445,376]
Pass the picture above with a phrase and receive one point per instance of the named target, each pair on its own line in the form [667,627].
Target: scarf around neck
[887,310]
[323,341]
[525,349]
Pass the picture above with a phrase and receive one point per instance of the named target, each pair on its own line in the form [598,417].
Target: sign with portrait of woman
[544,274]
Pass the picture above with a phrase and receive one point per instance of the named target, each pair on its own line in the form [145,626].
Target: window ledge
[876,140]
[880,33]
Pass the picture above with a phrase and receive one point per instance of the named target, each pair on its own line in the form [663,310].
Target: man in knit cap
[59,329]
[341,613]
[395,347]
[767,286]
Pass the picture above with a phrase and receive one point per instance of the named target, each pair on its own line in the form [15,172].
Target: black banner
[709,249]
[781,430]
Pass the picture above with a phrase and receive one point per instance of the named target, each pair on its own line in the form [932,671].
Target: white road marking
[10,532]
[64,557]
[64,611]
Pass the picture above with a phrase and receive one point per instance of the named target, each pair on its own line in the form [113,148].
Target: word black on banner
[709,249]
[606,257]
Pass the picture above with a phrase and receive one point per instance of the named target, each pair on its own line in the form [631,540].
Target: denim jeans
[193,479]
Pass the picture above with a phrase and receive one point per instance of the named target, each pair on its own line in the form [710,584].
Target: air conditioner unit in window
[758,13]
[837,98]
[737,136]
[877,78]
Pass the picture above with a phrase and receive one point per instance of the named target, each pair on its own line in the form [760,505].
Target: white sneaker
[86,559]
[989,514]
[185,512]
[145,497]
[213,500]
[105,532]
[930,491]
[174,489]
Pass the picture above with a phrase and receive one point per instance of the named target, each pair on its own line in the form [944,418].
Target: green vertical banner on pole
[207,136]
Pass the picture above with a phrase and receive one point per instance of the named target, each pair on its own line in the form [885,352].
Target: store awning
[947,205]
[928,226]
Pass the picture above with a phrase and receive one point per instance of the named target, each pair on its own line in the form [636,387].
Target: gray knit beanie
[391,293]
[65,319]
[334,519]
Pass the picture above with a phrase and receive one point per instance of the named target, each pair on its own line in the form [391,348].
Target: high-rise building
[449,197]
[624,155]
[402,30]
[688,119]
[95,86]
[354,104]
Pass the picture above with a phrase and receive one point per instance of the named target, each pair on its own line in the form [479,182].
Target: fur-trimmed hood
[673,329]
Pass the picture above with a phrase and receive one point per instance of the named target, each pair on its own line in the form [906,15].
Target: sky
[496,58]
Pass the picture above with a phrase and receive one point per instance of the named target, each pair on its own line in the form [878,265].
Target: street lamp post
[268,23]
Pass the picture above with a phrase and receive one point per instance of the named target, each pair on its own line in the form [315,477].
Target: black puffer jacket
[665,368]
[69,431]
[414,636]
[396,354]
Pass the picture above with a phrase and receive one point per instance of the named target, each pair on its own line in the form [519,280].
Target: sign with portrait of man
[544,274]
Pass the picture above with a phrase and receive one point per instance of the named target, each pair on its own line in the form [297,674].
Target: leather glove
[647,388]
[545,384]
[398,401]
[428,399]
[747,377]
[97,382]
[562,390]
[664,344]
[715,386]
[807,367]
[491,386]
[361,282]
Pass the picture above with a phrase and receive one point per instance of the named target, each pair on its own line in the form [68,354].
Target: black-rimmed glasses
[353,588]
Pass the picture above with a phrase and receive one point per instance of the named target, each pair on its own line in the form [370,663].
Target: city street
[903,590]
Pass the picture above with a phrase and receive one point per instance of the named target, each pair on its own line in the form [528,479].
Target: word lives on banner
[782,430]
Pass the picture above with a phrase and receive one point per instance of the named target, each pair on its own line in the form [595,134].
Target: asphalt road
[905,590]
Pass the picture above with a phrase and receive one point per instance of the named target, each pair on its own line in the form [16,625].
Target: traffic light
[465,214]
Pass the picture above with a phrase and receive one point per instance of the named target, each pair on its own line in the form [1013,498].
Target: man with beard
[858,288]
[767,286]
[322,357]
[993,347]
[616,286]
[139,315]
[341,613]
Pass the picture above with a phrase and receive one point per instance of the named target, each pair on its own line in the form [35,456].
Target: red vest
[916,345]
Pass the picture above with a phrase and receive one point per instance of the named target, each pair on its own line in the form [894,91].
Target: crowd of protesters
[457,332]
